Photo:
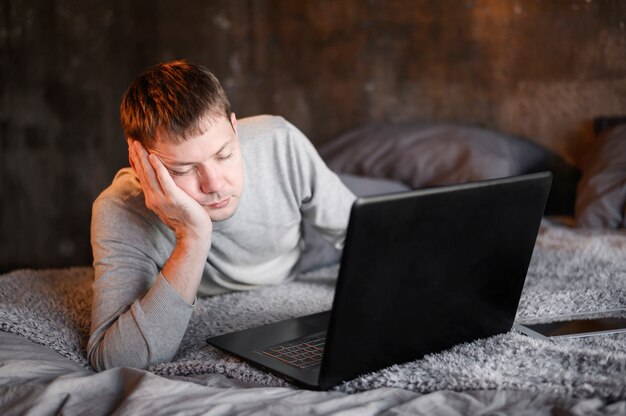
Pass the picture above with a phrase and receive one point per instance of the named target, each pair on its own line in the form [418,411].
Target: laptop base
[250,343]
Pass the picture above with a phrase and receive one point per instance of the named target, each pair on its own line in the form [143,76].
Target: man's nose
[211,179]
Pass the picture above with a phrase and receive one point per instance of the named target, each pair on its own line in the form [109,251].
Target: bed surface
[45,314]
[44,317]
[36,380]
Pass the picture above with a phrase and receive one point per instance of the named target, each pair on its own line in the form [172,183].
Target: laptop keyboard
[301,353]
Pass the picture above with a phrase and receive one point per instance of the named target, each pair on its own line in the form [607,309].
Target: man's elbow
[103,357]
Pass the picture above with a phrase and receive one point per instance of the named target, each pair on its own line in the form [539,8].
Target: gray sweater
[138,319]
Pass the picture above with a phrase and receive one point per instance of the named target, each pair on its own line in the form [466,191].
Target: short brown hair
[172,101]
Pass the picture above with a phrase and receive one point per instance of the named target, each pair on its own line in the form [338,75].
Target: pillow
[319,252]
[601,198]
[364,186]
[432,154]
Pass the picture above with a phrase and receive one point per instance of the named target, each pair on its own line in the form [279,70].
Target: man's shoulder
[124,192]
[263,124]
[119,214]
[268,132]
[268,127]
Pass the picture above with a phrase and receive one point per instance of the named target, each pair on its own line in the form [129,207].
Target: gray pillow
[317,251]
[364,186]
[601,198]
[431,154]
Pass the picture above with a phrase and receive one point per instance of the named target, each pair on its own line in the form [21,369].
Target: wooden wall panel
[541,69]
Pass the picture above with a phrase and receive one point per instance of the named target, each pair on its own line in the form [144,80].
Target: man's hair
[172,101]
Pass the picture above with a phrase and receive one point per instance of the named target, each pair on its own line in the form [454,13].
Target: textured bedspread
[571,271]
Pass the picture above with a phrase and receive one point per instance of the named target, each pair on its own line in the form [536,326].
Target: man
[211,204]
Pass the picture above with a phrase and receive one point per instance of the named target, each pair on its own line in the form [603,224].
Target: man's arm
[190,222]
[140,315]
[138,319]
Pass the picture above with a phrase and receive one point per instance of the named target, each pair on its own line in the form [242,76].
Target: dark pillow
[319,252]
[431,154]
[601,198]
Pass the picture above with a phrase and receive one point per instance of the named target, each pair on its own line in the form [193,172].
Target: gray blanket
[571,271]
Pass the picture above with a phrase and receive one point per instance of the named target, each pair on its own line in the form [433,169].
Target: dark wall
[541,69]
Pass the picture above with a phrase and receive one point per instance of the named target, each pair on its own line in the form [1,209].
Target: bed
[578,265]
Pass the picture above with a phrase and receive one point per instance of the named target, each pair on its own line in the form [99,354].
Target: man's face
[208,167]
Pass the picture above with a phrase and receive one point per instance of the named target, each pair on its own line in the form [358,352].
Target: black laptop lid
[455,261]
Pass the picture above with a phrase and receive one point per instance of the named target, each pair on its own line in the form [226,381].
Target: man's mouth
[219,204]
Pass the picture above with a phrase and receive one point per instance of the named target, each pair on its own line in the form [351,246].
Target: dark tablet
[579,325]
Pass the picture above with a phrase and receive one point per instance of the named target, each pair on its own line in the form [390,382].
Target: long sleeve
[138,319]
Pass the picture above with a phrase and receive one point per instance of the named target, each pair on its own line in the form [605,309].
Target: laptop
[421,271]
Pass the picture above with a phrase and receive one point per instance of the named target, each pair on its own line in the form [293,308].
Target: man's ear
[233,121]
[130,159]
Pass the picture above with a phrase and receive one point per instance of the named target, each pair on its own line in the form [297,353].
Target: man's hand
[186,217]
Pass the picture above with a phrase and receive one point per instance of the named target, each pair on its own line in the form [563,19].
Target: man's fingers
[165,180]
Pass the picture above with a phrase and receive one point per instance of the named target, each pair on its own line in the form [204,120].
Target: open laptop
[421,271]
